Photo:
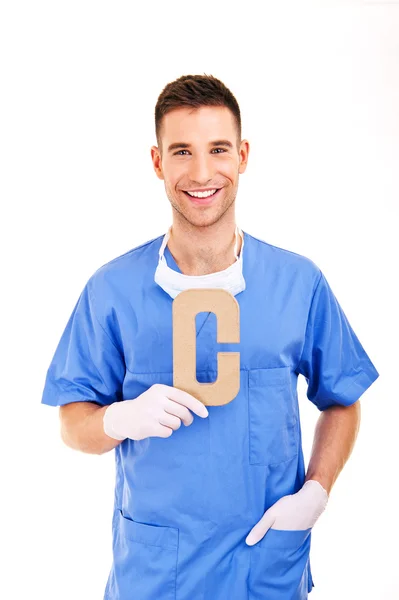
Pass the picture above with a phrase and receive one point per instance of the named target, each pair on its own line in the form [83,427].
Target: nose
[201,170]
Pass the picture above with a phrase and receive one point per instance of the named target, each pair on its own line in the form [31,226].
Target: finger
[260,529]
[169,420]
[184,398]
[161,431]
[174,408]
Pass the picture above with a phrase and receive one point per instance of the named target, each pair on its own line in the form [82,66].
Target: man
[220,508]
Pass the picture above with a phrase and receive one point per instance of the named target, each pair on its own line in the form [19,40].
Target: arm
[82,428]
[335,436]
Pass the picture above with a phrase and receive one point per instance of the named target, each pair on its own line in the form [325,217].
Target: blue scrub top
[185,504]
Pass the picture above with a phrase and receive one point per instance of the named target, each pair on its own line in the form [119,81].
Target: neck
[203,250]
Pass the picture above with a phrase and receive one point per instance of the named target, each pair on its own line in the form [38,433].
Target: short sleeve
[333,361]
[87,364]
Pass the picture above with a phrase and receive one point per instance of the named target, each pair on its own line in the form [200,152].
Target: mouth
[205,200]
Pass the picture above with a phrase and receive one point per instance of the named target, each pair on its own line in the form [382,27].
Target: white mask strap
[164,242]
[236,244]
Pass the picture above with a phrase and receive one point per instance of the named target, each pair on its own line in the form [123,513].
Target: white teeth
[202,194]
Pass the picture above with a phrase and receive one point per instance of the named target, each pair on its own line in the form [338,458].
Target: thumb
[261,527]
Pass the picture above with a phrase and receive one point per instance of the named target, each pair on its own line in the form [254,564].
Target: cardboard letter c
[186,306]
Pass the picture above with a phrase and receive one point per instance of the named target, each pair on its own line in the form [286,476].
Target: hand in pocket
[298,511]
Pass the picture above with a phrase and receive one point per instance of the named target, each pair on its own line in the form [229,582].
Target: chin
[204,221]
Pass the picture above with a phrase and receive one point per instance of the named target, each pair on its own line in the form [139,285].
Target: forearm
[82,428]
[335,435]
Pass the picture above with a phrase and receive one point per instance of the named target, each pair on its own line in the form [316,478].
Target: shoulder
[125,270]
[282,258]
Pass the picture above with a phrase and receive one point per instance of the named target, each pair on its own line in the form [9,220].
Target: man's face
[199,151]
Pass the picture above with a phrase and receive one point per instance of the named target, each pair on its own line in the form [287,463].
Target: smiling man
[200,156]
[210,503]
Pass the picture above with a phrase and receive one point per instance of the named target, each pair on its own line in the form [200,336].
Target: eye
[179,151]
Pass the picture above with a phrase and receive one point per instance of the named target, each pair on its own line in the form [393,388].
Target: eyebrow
[177,145]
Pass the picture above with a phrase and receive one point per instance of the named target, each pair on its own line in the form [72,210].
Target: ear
[157,161]
[244,152]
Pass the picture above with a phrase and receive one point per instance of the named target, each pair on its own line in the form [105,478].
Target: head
[198,132]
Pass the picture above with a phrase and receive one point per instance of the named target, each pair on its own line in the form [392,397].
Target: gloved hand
[295,511]
[156,412]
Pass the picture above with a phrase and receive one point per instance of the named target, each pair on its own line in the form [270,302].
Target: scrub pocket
[273,420]
[145,560]
[280,566]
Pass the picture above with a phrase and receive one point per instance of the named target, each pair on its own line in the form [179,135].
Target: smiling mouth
[204,199]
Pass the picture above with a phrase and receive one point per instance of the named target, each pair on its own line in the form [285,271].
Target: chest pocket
[273,417]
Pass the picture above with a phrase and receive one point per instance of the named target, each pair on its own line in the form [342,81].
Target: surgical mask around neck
[173,282]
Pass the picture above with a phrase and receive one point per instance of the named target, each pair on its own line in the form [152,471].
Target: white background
[318,88]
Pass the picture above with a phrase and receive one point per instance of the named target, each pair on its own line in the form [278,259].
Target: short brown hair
[195,91]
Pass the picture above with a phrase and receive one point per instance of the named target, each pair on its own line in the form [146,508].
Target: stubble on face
[201,216]
[196,130]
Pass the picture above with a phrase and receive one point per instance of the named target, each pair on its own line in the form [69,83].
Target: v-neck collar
[170,261]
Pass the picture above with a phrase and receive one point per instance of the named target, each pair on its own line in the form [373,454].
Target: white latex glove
[295,511]
[156,412]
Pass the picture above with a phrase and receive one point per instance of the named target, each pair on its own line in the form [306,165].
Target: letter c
[186,306]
